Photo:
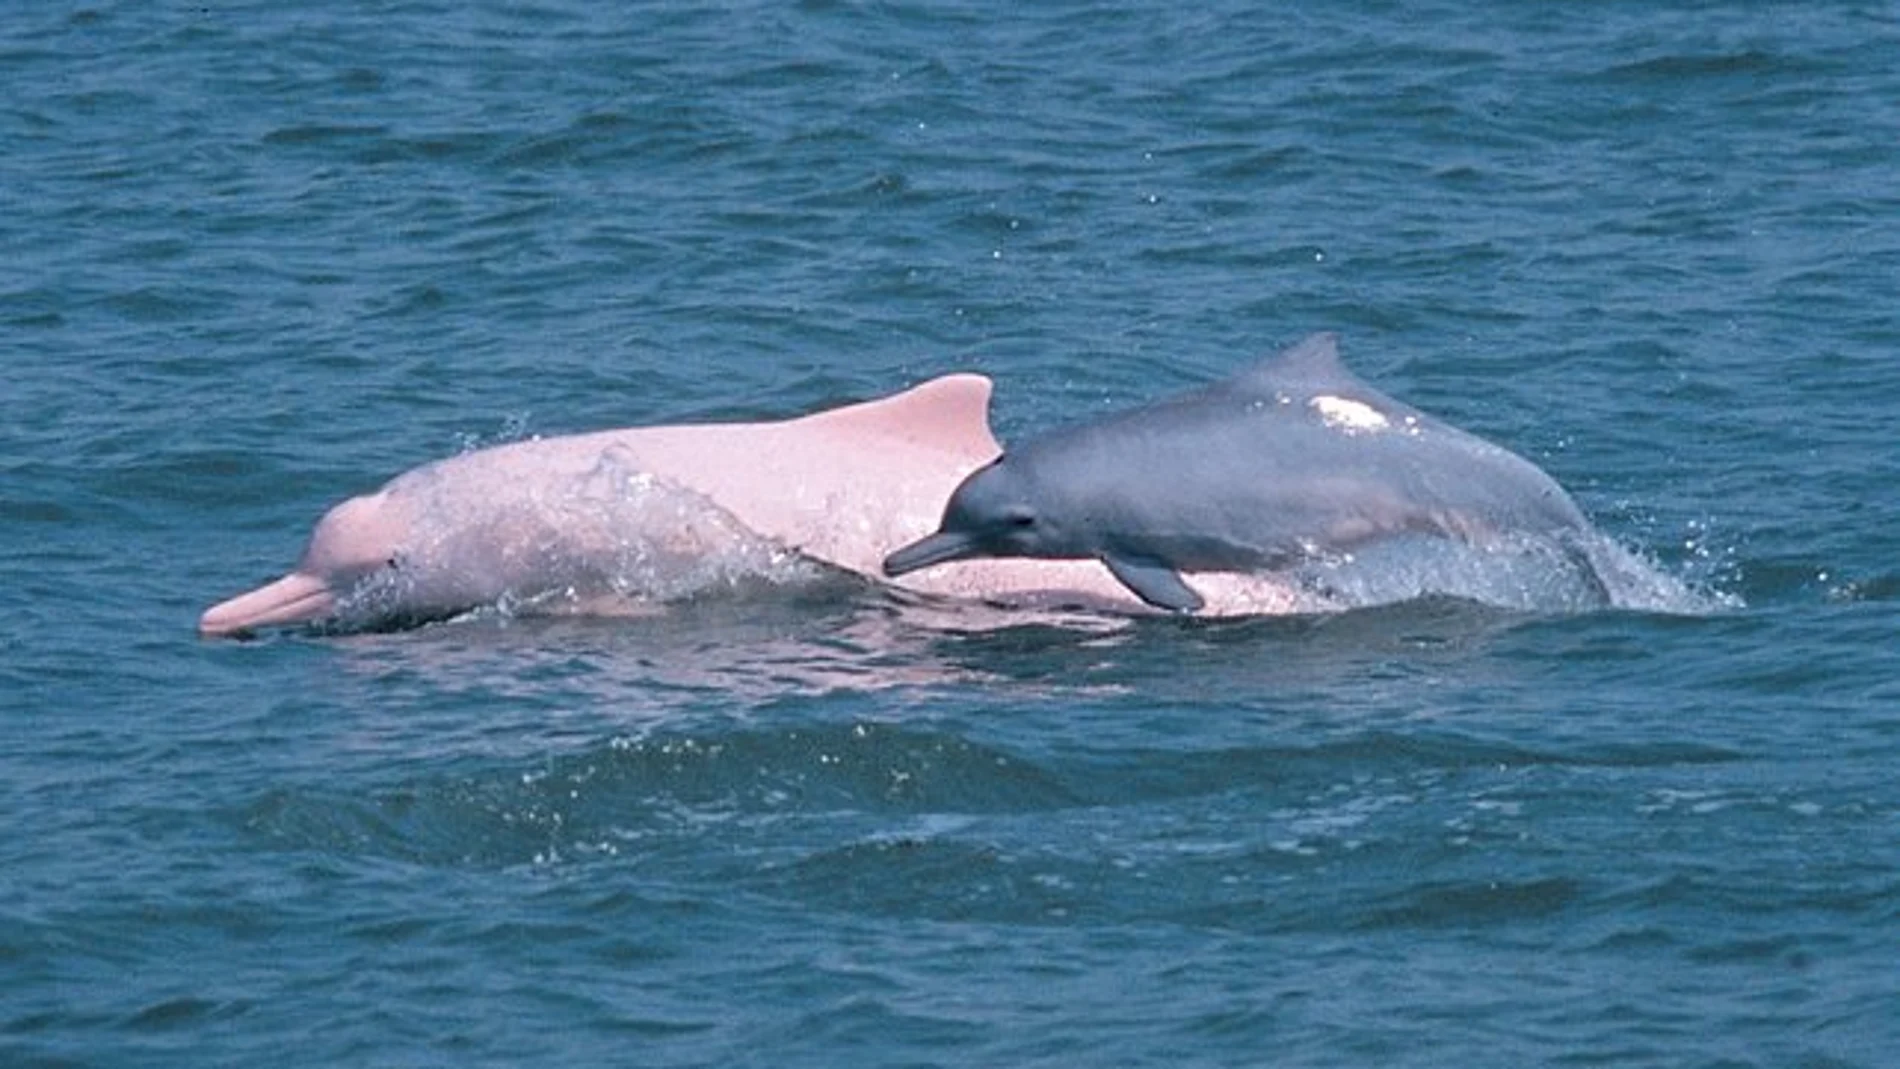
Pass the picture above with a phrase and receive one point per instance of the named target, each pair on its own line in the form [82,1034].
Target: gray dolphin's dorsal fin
[1311,365]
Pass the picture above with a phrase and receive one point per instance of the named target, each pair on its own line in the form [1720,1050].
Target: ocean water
[261,256]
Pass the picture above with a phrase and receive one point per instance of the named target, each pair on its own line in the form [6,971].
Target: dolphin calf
[1291,460]
[620,521]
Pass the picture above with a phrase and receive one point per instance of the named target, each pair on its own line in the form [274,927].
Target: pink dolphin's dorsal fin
[950,414]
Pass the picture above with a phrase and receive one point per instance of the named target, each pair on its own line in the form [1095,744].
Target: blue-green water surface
[257,257]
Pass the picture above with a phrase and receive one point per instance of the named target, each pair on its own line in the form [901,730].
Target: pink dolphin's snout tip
[296,598]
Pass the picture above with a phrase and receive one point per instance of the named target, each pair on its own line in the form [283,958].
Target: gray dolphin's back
[1291,458]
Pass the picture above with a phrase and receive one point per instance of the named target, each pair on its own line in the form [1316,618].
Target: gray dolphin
[1293,459]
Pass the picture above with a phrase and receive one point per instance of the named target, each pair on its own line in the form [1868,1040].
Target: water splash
[612,541]
[1526,574]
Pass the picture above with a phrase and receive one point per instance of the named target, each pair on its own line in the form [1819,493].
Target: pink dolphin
[615,520]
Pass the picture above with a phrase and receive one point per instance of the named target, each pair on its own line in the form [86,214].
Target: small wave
[649,791]
[1770,579]
[1746,63]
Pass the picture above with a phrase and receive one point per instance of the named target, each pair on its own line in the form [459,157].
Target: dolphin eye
[1022,519]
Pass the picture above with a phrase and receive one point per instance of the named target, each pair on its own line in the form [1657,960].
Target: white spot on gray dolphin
[1290,460]
[1348,416]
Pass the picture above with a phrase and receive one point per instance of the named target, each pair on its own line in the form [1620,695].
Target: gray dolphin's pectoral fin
[1155,583]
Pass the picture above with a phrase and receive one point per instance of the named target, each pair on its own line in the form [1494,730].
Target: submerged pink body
[843,486]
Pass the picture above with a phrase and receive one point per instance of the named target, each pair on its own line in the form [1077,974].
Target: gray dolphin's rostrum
[1291,460]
